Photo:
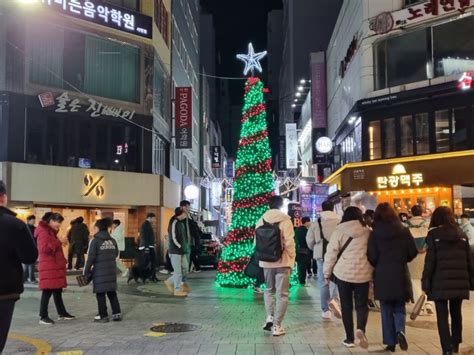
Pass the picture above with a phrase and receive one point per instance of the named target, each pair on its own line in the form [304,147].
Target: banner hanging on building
[184,117]
[291,146]
[216,156]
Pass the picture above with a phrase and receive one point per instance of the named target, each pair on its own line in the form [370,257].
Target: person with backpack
[418,227]
[317,238]
[346,260]
[275,248]
[447,276]
[101,268]
[390,248]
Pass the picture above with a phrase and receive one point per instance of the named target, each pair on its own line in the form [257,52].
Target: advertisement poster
[311,197]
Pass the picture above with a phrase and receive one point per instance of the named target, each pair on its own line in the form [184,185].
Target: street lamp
[303,81]
[300,88]
[191,192]
[293,105]
[298,94]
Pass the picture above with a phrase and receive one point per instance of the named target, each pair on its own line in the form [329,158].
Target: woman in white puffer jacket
[346,260]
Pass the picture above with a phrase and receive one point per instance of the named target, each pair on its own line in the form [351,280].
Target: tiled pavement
[229,322]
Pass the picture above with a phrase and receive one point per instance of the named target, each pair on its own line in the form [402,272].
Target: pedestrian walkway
[228,322]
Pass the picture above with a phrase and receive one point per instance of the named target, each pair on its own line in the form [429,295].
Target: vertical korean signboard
[291,146]
[184,117]
[216,156]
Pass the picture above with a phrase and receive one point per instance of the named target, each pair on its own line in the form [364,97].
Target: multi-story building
[185,163]
[400,102]
[300,18]
[83,107]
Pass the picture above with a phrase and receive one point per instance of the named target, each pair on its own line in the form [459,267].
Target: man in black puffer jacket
[447,275]
[102,270]
[16,247]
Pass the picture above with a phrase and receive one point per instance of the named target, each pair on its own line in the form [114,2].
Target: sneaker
[66,316]
[389,348]
[117,317]
[99,319]
[180,293]
[335,308]
[125,273]
[197,271]
[185,287]
[456,349]
[169,285]
[258,290]
[46,321]
[348,343]
[278,330]
[326,315]
[363,342]
[268,323]
[402,341]
[164,272]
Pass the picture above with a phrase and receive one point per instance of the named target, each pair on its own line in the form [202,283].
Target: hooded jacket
[101,266]
[448,271]
[353,265]
[288,242]
[329,222]
[16,247]
[390,248]
[52,263]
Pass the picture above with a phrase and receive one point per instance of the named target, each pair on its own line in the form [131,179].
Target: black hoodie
[390,248]
[447,273]
[16,247]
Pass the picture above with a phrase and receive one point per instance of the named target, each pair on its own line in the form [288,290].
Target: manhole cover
[173,328]
[422,324]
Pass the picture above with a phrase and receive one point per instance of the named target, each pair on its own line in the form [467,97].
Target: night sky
[237,23]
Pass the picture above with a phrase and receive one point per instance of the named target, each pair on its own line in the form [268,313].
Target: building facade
[81,109]
[185,163]
[400,102]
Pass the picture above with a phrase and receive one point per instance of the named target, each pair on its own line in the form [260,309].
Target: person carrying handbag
[346,260]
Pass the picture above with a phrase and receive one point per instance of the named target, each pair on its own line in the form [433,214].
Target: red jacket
[52,263]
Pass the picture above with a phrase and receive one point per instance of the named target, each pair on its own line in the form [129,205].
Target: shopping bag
[82,280]
[420,302]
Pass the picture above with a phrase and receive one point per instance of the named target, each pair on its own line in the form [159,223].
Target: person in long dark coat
[102,270]
[390,248]
[447,275]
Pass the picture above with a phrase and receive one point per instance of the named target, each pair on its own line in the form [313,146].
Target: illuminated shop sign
[465,81]
[399,178]
[104,14]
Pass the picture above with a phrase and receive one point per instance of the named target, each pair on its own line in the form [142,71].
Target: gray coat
[101,265]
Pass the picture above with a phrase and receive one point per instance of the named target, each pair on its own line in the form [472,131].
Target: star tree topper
[252,60]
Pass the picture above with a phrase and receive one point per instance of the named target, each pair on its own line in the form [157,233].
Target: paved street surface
[228,320]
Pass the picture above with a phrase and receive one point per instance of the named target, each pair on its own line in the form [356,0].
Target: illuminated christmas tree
[253,183]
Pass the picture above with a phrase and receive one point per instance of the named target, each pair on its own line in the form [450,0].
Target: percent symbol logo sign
[94,186]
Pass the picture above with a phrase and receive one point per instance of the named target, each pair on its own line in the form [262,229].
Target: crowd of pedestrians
[359,258]
[396,260]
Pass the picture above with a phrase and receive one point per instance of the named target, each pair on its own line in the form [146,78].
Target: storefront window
[459,124]
[406,130]
[422,133]
[375,150]
[390,146]
[453,47]
[68,60]
[442,130]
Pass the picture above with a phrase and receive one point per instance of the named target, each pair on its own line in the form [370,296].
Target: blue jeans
[393,320]
[180,267]
[325,290]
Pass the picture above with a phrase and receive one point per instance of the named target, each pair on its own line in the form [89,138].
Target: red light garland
[255,138]
[253,201]
[237,265]
[259,168]
[239,235]
[253,111]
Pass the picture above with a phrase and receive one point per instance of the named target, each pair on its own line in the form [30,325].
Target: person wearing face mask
[52,267]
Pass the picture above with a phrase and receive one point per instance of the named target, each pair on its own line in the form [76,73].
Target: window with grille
[161,17]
